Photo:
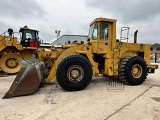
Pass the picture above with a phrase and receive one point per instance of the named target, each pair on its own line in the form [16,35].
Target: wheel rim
[11,63]
[75,73]
[136,71]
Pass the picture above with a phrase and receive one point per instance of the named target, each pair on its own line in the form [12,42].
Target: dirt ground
[103,99]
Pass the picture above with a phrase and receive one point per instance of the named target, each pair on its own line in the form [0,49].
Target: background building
[155,51]
[65,38]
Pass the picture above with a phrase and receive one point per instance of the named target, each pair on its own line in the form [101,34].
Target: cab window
[28,34]
[103,31]
[93,32]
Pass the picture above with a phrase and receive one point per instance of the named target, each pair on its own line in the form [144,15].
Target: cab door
[104,41]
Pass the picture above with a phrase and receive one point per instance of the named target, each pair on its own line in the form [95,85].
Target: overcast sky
[74,16]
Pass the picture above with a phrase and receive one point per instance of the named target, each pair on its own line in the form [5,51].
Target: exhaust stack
[135,36]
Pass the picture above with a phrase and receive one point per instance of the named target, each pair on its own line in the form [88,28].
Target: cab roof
[100,19]
[27,28]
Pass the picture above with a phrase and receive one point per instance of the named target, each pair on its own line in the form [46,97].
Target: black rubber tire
[65,65]
[125,70]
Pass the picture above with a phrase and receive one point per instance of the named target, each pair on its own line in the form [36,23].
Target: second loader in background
[12,50]
[74,64]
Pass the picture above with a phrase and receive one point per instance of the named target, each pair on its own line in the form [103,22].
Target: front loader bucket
[28,79]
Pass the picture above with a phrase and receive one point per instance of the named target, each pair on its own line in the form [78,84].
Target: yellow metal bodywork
[58,55]
[10,44]
[114,51]
[112,57]
[109,50]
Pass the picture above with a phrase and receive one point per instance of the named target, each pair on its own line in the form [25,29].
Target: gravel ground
[99,101]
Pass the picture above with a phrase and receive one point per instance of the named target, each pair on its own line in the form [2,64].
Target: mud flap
[28,79]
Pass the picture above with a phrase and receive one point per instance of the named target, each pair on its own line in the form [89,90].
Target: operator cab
[102,35]
[29,37]
[93,33]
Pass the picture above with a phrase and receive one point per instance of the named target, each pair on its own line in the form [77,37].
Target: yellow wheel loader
[12,50]
[74,64]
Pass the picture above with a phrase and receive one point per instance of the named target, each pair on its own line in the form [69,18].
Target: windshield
[29,34]
[93,32]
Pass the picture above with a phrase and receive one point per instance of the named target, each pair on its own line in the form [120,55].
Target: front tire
[74,73]
[132,70]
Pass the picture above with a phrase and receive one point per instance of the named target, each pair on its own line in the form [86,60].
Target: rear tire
[132,70]
[74,73]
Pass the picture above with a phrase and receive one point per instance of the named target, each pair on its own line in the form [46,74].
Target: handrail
[121,34]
